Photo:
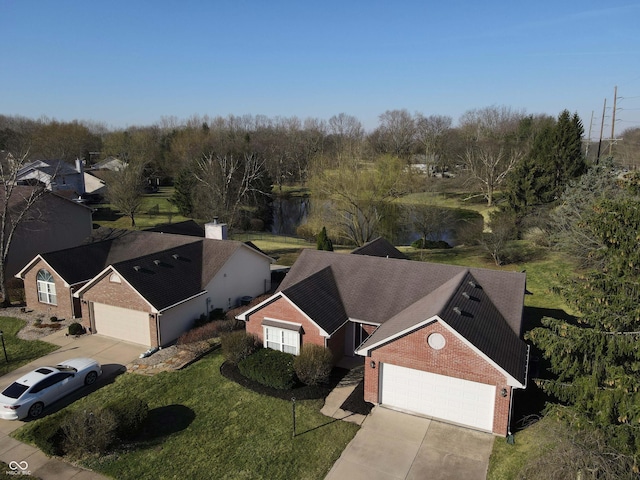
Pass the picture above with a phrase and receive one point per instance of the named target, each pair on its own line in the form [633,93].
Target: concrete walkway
[23,458]
[341,392]
[396,446]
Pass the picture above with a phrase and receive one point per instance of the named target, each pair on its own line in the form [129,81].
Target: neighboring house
[145,287]
[110,163]
[53,222]
[379,247]
[439,340]
[54,174]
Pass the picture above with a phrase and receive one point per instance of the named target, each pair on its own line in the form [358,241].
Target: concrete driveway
[113,354]
[393,445]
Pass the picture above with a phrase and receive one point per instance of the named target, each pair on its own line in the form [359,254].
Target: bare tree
[227,182]
[492,149]
[347,134]
[125,189]
[19,205]
[396,133]
[430,134]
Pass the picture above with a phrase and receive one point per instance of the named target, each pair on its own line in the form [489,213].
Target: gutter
[182,301]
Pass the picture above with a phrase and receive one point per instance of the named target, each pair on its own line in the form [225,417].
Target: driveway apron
[21,458]
[392,445]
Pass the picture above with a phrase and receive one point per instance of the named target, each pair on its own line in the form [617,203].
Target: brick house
[145,287]
[437,340]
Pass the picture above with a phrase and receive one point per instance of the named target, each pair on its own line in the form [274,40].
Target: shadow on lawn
[163,421]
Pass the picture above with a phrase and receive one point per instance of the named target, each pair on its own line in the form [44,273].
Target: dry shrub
[576,453]
[238,345]
[89,432]
[207,331]
[314,364]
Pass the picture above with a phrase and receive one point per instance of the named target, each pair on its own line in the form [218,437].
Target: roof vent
[137,268]
[175,256]
[466,295]
[457,310]
[473,284]
[157,262]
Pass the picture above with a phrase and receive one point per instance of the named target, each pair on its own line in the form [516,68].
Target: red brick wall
[63,309]
[118,295]
[456,359]
[282,309]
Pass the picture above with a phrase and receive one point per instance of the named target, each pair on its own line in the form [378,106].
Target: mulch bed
[355,402]
[301,392]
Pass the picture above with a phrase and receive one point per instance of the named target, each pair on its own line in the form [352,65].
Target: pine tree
[182,194]
[597,358]
[323,242]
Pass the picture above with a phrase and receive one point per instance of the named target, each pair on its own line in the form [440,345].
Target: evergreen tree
[323,242]
[596,359]
[182,194]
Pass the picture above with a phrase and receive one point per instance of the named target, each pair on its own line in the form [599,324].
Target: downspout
[73,310]
[510,439]
[157,317]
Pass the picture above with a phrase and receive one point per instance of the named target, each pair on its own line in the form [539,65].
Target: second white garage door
[447,398]
[122,323]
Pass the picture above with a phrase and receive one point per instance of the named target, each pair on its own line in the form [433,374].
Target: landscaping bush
[313,365]
[54,319]
[238,345]
[270,367]
[430,244]
[210,330]
[92,431]
[76,329]
[48,436]
[130,414]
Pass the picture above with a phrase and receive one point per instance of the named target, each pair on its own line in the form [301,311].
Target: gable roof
[171,276]
[49,167]
[318,297]
[483,306]
[379,247]
[82,263]
[463,305]
[374,289]
[188,227]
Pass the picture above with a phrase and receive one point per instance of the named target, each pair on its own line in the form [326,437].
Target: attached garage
[121,323]
[451,399]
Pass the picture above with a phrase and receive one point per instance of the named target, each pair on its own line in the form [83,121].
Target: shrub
[238,345]
[430,244]
[130,414]
[210,330]
[76,329]
[47,434]
[313,365]
[89,431]
[270,367]
[54,319]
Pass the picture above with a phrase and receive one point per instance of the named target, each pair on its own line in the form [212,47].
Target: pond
[291,212]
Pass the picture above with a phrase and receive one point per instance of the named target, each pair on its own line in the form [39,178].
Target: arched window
[46,288]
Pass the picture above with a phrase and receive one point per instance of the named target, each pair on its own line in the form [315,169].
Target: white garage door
[451,399]
[122,323]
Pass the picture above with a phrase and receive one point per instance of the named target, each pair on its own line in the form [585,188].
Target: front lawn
[202,425]
[19,352]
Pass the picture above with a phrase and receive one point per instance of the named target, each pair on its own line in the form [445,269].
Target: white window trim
[46,289]
[279,342]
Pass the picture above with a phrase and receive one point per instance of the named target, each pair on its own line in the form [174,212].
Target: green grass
[19,352]
[155,209]
[205,426]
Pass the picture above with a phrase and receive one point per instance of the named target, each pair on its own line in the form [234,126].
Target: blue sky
[132,62]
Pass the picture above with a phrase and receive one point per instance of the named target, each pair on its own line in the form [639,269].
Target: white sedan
[27,396]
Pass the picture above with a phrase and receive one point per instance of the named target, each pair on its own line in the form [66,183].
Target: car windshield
[14,390]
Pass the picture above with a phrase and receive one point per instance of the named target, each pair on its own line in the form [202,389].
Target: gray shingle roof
[400,294]
[318,296]
[82,263]
[379,247]
[170,276]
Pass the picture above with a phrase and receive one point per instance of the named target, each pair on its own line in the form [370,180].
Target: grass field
[19,352]
[202,425]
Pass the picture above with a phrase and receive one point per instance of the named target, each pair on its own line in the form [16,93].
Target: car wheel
[91,378]
[36,410]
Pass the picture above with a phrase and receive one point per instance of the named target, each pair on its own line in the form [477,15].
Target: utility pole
[586,152]
[613,120]
[604,109]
